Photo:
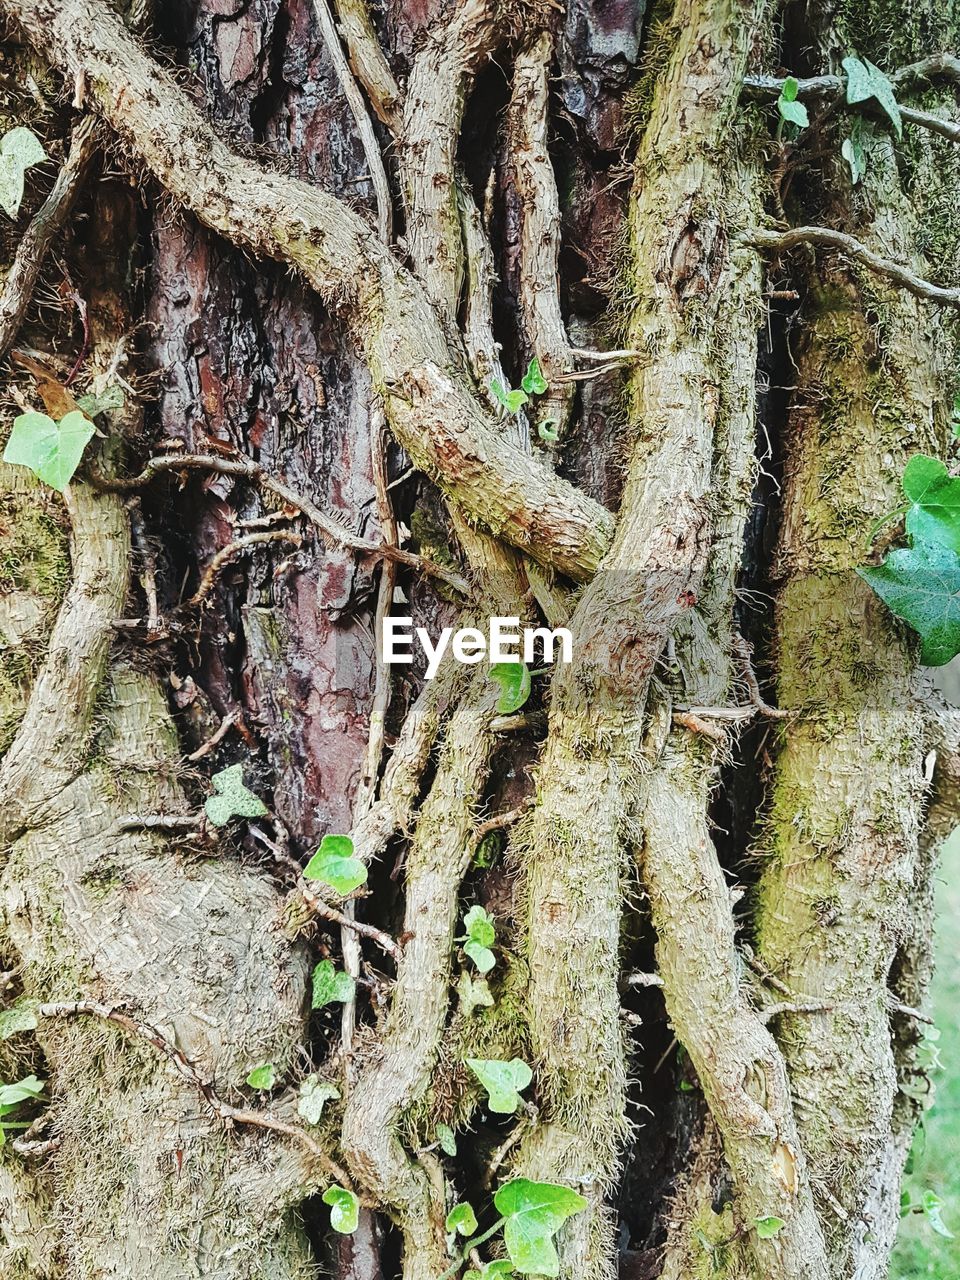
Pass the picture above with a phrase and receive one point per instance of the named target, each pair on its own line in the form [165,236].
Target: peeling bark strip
[443,427]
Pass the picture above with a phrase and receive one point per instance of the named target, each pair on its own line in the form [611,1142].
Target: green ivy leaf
[790,109]
[514,681]
[331,985]
[335,865]
[767,1228]
[931,1204]
[865,81]
[51,450]
[474,994]
[549,430]
[491,1271]
[313,1097]
[232,799]
[112,398]
[533,382]
[479,938]
[447,1139]
[512,401]
[934,515]
[20,1017]
[20,150]
[502,1081]
[921,584]
[263,1076]
[534,1212]
[854,152]
[461,1219]
[344,1209]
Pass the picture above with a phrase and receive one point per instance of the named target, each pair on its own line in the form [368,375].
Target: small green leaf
[331,985]
[20,1017]
[112,398]
[488,850]
[934,515]
[931,1204]
[20,150]
[767,1228]
[335,865]
[502,1081]
[865,81]
[461,1219]
[514,681]
[447,1139]
[11,1095]
[232,799]
[791,87]
[313,1097]
[480,937]
[51,450]
[921,584]
[793,112]
[854,152]
[533,382]
[344,1209]
[263,1077]
[549,430]
[496,1270]
[534,1212]
[474,994]
[512,401]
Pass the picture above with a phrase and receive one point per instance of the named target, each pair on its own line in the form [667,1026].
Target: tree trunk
[298,273]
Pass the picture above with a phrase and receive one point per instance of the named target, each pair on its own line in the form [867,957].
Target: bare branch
[230,552]
[47,224]
[368,61]
[368,139]
[783,241]
[247,469]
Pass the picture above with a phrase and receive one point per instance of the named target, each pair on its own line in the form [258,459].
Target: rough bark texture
[292,230]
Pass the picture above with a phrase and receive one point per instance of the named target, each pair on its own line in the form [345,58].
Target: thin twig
[158,822]
[783,241]
[744,652]
[793,1006]
[138,535]
[230,552]
[247,469]
[226,724]
[222,1110]
[47,224]
[368,139]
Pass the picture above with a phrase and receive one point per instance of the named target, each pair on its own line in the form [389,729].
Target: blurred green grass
[920,1252]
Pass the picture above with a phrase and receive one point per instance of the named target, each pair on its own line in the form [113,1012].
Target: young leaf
[921,584]
[20,150]
[344,1209]
[865,81]
[335,865]
[51,450]
[331,985]
[931,1204]
[447,1139]
[112,398]
[474,994]
[934,515]
[549,430]
[232,799]
[514,681]
[11,1095]
[263,1076]
[496,1270]
[767,1228]
[533,382]
[20,1017]
[853,151]
[480,937]
[512,401]
[793,113]
[462,1219]
[502,1081]
[313,1097]
[534,1212]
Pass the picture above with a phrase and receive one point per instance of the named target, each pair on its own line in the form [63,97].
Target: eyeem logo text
[505,641]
